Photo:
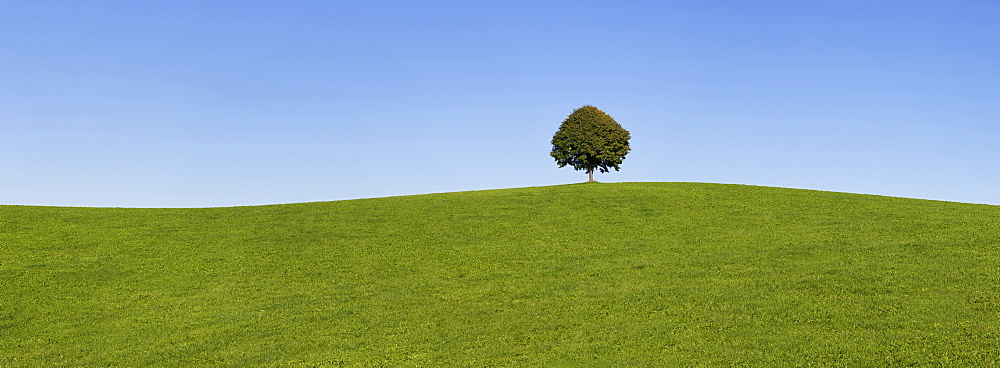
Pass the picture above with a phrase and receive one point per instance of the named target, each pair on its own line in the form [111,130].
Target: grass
[641,274]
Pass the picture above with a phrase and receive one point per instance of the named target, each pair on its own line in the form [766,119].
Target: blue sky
[221,103]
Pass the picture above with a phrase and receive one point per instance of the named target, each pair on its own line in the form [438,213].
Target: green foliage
[630,274]
[589,139]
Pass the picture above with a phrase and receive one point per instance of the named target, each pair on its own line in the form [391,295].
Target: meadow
[627,274]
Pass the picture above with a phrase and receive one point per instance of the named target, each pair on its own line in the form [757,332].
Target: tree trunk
[590,172]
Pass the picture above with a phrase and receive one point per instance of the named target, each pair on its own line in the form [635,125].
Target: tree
[590,139]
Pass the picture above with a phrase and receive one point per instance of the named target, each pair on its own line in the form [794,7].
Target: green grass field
[631,274]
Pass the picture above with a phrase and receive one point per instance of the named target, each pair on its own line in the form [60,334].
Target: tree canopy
[590,139]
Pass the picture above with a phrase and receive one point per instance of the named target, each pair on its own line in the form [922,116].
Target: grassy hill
[577,275]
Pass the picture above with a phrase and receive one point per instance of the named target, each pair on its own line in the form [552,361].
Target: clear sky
[221,103]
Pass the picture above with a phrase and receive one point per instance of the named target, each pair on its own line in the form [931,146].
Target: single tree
[590,139]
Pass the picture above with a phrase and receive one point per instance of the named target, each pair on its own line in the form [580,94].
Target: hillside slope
[587,274]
